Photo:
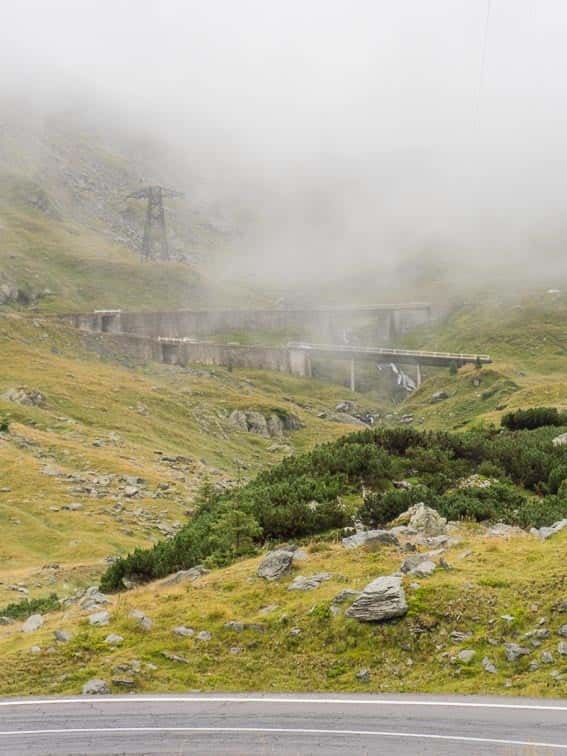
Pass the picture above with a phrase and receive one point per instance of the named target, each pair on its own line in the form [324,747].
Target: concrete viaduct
[175,337]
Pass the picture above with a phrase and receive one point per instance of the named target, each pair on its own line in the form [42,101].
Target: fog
[338,137]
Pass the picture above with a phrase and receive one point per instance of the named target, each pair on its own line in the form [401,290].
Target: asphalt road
[282,724]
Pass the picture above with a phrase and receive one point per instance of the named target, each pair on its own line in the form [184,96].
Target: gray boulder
[113,639]
[562,648]
[62,636]
[560,440]
[302,583]
[99,618]
[382,599]
[488,666]
[143,622]
[514,651]
[33,623]
[275,564]
[370,536]
[95,687]
[466,655]
[185,632]
[419,565]
[184,575]
[426,520]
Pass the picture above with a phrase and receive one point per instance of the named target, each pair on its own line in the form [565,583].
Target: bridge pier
[352,376]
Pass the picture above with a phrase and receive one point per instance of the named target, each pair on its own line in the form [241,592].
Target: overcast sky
[289,80]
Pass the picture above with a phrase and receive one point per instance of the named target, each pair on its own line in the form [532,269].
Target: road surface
[282,724]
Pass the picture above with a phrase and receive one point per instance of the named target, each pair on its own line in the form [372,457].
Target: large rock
[370,536]
[426,520]
[93,598]
[382,599]
[33,623]
[99,618]
[184,575]
[95,687]
[275,564]
[560,440]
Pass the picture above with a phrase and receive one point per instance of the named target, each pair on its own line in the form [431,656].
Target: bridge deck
[385,354]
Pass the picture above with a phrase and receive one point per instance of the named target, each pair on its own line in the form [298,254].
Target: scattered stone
[113,639]
[62,636]
[439,396]
[185,575]
[185,632]
[533,667]
[268,609]
[143,622]
[275,564]
[382,599]
[295,631]
[204,635]
[74,506]
[239,627]
[466,655]
[370,536]
[514,651]
[363,675]
[302,583]
[174,657]
[562,648]
[418,565]
[124,682]
[560,440]
[95,687]
[488,666]
[33,623]
[93,598]
[131,491]
[546,657]
[35,650]
[563,631]
[458,637]
[99,618]
[235,650]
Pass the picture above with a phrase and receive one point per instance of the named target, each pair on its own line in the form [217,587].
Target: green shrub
[535,417]
[26,607]
[4,424]
[301,496]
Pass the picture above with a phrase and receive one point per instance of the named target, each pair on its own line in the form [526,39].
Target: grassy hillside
[60,264]
[525,336]
[100,421]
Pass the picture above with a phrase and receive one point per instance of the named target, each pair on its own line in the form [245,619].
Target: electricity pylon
[154,214]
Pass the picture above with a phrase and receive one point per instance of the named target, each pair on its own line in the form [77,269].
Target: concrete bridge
[387,355]
[378,323]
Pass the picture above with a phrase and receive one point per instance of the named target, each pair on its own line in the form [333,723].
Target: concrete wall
[329,326]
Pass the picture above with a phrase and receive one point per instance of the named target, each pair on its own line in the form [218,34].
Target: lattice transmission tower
[155,216]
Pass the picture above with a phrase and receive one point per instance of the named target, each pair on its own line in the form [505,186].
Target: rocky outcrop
[370,536]
[271,425]
[546,532]
[275,564]
[423,520]
[382,599]
[25,396]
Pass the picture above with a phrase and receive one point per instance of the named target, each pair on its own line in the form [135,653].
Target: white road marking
[277,700]
[283,731]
